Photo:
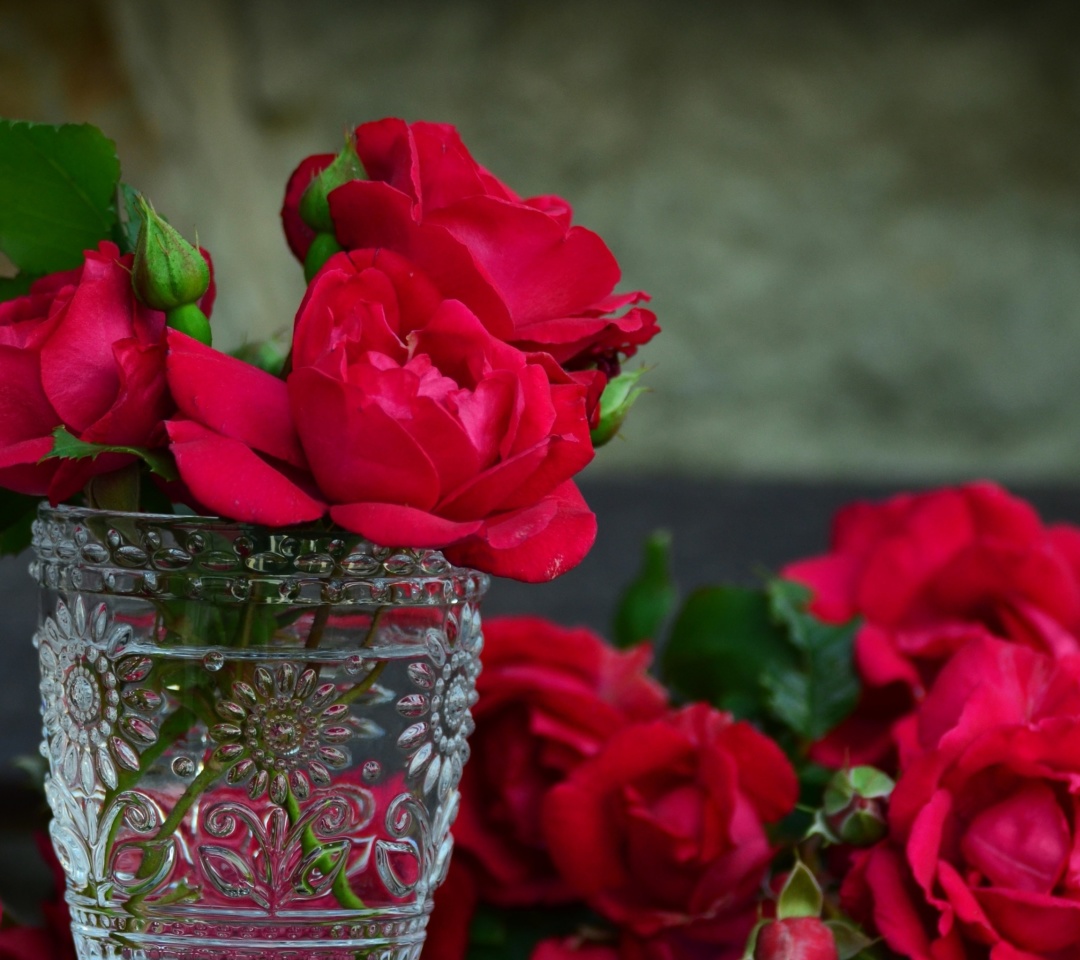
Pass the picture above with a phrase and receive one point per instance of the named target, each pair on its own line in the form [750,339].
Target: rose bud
[618,397]
[170,274]
[853,806]
[796,938]
[314,206]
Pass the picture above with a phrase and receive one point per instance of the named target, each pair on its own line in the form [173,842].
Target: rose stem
[209,774]
[341,888]
[343,891]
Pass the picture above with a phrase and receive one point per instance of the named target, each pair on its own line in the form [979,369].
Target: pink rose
[928,573]
[664,829]
[980,859]
[531,277]
[550,697]
[402,418]
[80,352]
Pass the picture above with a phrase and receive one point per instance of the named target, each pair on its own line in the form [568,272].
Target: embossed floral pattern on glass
[255,737]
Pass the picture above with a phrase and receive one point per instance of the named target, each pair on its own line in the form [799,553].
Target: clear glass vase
[254,736]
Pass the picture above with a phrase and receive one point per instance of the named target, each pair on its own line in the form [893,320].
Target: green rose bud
[168,271]
[615,403]
[853,806]
[322,248]
[314,204]
[191,320]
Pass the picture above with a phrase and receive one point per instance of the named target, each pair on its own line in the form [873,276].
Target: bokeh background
[860,221]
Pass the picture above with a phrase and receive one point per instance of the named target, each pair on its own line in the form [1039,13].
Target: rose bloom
[663,831]
[980,862]
[455,903]
[402,418]
[928,573]
[549,698]
[531,277]
[79,351]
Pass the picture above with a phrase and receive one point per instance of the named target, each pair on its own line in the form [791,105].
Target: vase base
[389,938]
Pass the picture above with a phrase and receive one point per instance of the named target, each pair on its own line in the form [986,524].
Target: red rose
[928,573]
[980,860]
[549,698]
[796,938]
[402,417]
[455,902]
[79,351]
[664,828]
[519,265]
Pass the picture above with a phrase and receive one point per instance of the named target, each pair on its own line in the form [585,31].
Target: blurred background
[859,221]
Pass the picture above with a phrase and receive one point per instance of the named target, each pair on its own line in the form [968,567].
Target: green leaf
[12,287]
[17,512]
[56,193]
[126,229]
[821,689]
[801,896]
[850,940]
[722,642]
[650,596]
[67,447]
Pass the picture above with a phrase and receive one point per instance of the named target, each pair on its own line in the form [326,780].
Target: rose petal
[233,398]
[231,479]
[392,524]
[536,543]
[358,453]
[374,214]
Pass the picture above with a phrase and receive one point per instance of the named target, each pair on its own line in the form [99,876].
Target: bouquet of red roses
[453,364]
[261,571]
[916,689]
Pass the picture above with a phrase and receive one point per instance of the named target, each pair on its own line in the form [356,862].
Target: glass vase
[254,736]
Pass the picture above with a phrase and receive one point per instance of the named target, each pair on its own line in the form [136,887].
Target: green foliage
[649,598]
[57,188]
[762,655]
[126,229]
[68,447]
[801,896]
[12,287]
[17,512]
[722,644]
[822,689]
